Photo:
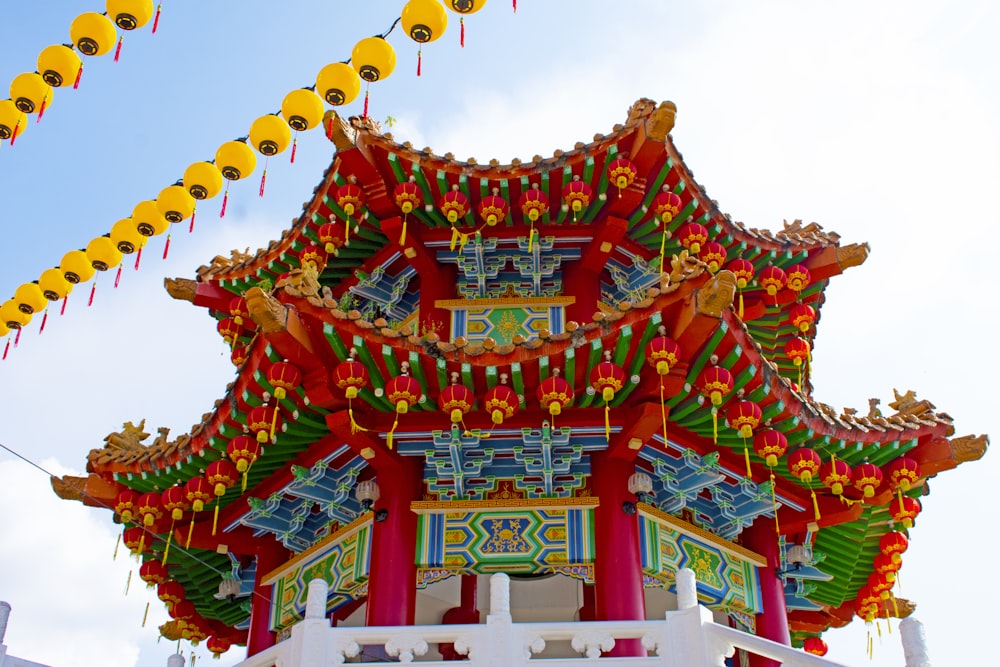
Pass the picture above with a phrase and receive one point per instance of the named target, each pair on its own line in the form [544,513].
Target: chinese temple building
[576,371]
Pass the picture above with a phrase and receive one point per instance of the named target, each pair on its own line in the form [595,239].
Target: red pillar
[392,582]
[465,612]
[618,588]
[772,623]
[260,637]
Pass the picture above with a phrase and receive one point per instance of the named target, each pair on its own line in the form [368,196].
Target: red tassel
[62,311]
[263,180]
[156,19]
[41,109]
[17,336]
[329,130]
[17,130]
[225,200]
[79,73]
[45,318]
[191,226]
[166,248]
[295,145]
[138,258]
[118,276]
[365,113]
[6,349]
[515,6]
[420,57]
[93,289]
[461,38]
[118,49]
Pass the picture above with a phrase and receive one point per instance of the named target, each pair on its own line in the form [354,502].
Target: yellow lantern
[4,330]
[424,20]
[76,267]
[235,160]
[338,84]
[175,203]
[270,135]
[130,14]
[92,33]
[29,298]
[30,92]
[12,316]
[148,220]
[203,180]
[103,254]
[302,109]
[465,6]
[12,120]
[126,237]
[373,58]
[59,65]
[54,285]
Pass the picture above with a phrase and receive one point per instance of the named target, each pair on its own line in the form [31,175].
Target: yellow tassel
[245,473]
[531,237]
[895,607]
[746,458]
[128,582]
[462,240]
[187,545]
[215,516]
[663,246]
[347,232]
[899,494]
[118,541]
[142,544]
[663,413]
[402,236]
[274,422]
[774,504]
[878,628]
[454,238]
[715,425]
[166,550]
[388,438]
[145,615]
[607,421]
[869,644]
[815,504]
[741,301]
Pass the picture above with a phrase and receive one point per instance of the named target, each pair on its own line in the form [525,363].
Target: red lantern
[770,445]
[835,475]
[135,539]
[905,510]
[501,402]
[351,376]
[284,377]
[663,353]
[693,236]
[867,604]
[493,208]
[804,464]
[182,610]
[666,205]
[893,544]
[797,277]
[713,254]
[332,237]
[197,491]
[607,378]
[221,475]
[772,279]
[577,195]
[887,567]
[715,383]
[175,501]
[815,646]
[534,204]
[880,585]
[403,392]
[407,197]
[314,256]
[153,572]
[554,393]
[744,417]
[125,504]
[867,478]
[243,451]
[350,198]
[743,270]
[622,173]
[238,311]
[456,399]
[797,349]
[454,205]
[802,317]
[229,330]
[170,593]
[217,645]
[149,508]
[263,421]
[903,473]
[239,355]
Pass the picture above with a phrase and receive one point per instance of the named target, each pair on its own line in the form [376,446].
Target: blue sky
[875,120]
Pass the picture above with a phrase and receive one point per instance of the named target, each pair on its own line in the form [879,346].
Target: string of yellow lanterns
[372,59]
[59,65]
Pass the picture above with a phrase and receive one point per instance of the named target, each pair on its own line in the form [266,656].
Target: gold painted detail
[502,302]
[852,255]
[182,289]
[505,538]
[717,296]
[661,123]
[69,487]
[907,404]
[969,447]
[694,531]
[265,310]
[450,506]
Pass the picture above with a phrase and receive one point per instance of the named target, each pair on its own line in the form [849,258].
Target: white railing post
[687,643]
[176,660]
[504,645]
[309,636]
[687,589]
[911,633]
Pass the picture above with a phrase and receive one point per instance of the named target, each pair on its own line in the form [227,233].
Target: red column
[618,588]
[465,612]
[772,623]
[392,582]
[260,637]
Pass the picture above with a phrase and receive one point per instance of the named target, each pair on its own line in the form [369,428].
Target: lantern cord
[138,258]
[145,615]
[515,6]
[79,73]
[118,276]
[93,289]
[45,318]
[166,247]
[156,19]
[191,226]
[118,49]
[62,310]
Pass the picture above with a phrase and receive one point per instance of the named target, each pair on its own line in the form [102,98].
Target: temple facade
[574,381]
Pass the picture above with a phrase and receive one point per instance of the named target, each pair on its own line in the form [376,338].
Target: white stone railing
[686,638]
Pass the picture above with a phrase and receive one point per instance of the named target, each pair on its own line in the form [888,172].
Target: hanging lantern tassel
[774,505]
[41,108]
[145,615]
[815,504]
[329,129]
[388,437]
[263,180]
[420,53]
[663,413]
[355,426]
[402,236]
[663,247]
[79,73]
[191,226]
[364,114]
[118,276]
[128,581]
[515,6]
[225,200]
[215,516]
[715,425]
[243,488]
[6,349]
[62,310]
[166,247]
[166,549]
[295,145]
[156,19]
[274,417]
[746,459]
[16,132]
[17,337]
[118,541]
[138,258]
[45,318]
[187,543]
[118,49]
[607,413]
[93,289]
[741,299]
[461,38]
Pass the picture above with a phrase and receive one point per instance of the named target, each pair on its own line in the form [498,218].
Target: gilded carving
[717,296]
[873,410]
[129,439]
[265,310]
[302,282]
[661,123]
[683,266]
[339,130]
[852,255]
[182,289]
[69,487]
[907,404]
[969,447]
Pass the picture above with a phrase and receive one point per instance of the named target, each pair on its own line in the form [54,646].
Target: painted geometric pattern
[502,324]
[724,580]
[490,267]
[379,294]
[540,463]
[507,540]
[343,564]
[629,282]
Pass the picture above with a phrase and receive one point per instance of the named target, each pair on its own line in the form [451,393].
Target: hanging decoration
[403,392]
[407,197]
[153,572]
[797,349]
[134,539]
[93,34]
[76,267]
[904,510]
[607,378]
[713,254]
[338,84]
[329,234]
[577,196]
[663,353]
[622,173]
[815,646]
[197,491]
[351,376]
[174,500]
[797,278]
[130,14]
[464,7]
[229,330]
[29,298]
[802,316]
[744,417]
[221,474]
[374,59]
[351,199]
[693,236]
[148,220]
[59,66]
[170,593]
[243,451]
[804,464]
[894,544]
[217,646]
[887,567]
[835,475]
[125,505]
[235,160]
[284,377]
[30,93]
[772,279]
[456,400]
[534,204]
[148,511]
[263,421]
[493,208]
[239,355]
[554,393]
[715,383]
[903,473]
[313,256]
[454,206]
[771,445]
[239,312]
[12,121]
[666,206]
[203,180]
[423,21]
[302,110]
[867,477]
[501,402]
[743,270]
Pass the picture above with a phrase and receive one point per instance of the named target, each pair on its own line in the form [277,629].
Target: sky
[876,120]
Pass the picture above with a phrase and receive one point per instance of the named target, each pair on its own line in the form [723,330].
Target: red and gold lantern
[534,204]
[125,505]
[903,473]
[243,451]
[743,270]
[170,593]
[239,355]
[887,567]
[815,646]
[493,208]
[772,279]
[229,330]
[403,392]
[182,610]
[313,256]
[456,400]
[715,383]
[554,393]
[798,350]
[221,475]
[501,402]
[239,312]
[351,199]
[153,572]
[351,377]
[802,317]
[197,491]
[713,254]
[744,417]
[622,173]
[408,197]
[284,377]
[607,378]
[666,205]
[135,540]
[867,478]
[263,421]
[905,510]
[577,196]
[455,206]
[805,464]
[835,475]
[149,508]
[770,445]
[893,544]
[693,236]
[797,278]
[175,501]
[217,646]
[331,235]
[880,585]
